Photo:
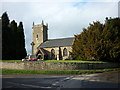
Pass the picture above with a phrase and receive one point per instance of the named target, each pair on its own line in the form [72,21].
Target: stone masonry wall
[56,66]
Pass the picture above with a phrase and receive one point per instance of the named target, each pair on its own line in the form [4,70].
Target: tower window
[37,37]
[64,52]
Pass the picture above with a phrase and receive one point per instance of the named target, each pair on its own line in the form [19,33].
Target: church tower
[40,35]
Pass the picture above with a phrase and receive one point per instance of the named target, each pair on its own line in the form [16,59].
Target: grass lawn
[76,61]
[10,60]
[55,61]
[60,72]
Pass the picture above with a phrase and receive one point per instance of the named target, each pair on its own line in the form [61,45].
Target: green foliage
[0,38]
[21,53]
[5,35]
[5,21]
[13,42]
[99,41]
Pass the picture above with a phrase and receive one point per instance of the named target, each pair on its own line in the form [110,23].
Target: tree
[5,21]
[5,35]
[99,41]
[0,39]
[13,42]
[21,51]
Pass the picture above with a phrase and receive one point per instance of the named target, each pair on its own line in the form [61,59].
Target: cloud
[59,0]
[64,18]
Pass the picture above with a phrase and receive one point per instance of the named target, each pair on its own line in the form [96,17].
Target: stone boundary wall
[55,66]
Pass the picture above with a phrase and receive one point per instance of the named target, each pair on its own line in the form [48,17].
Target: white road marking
[65,79]
[34,86]
[55,83]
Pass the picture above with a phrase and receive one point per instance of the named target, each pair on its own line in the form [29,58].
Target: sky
[65,18]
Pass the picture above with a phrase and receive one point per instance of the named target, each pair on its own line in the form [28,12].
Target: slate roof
[57,43]
[45,52]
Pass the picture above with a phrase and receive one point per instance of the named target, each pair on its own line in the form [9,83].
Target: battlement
[40,34]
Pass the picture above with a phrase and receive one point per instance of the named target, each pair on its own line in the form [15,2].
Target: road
[57,82]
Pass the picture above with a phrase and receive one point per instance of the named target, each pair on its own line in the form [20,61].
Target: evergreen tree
[99,41]
[0,39]
[5,36]
[21,51]
[13,41]
[5,21]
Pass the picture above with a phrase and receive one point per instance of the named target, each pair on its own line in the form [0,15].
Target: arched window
[64,52]
[52,54]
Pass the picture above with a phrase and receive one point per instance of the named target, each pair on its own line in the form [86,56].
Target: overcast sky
[65,18]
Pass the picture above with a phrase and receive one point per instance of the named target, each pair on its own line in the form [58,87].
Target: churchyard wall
[55,66]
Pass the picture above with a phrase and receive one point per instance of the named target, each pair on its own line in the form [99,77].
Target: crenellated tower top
[40,34]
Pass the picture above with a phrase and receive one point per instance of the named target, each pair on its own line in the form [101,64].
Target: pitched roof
[57,43]
[45,52]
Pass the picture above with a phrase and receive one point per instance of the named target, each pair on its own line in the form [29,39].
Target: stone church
[50,49]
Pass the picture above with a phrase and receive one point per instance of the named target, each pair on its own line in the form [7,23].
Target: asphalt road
[57,82]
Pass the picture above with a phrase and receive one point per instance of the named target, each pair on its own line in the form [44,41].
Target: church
[50,49]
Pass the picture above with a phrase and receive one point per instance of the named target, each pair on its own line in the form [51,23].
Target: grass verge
[55,61]
[75,61]
[10,60]
[60,72]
